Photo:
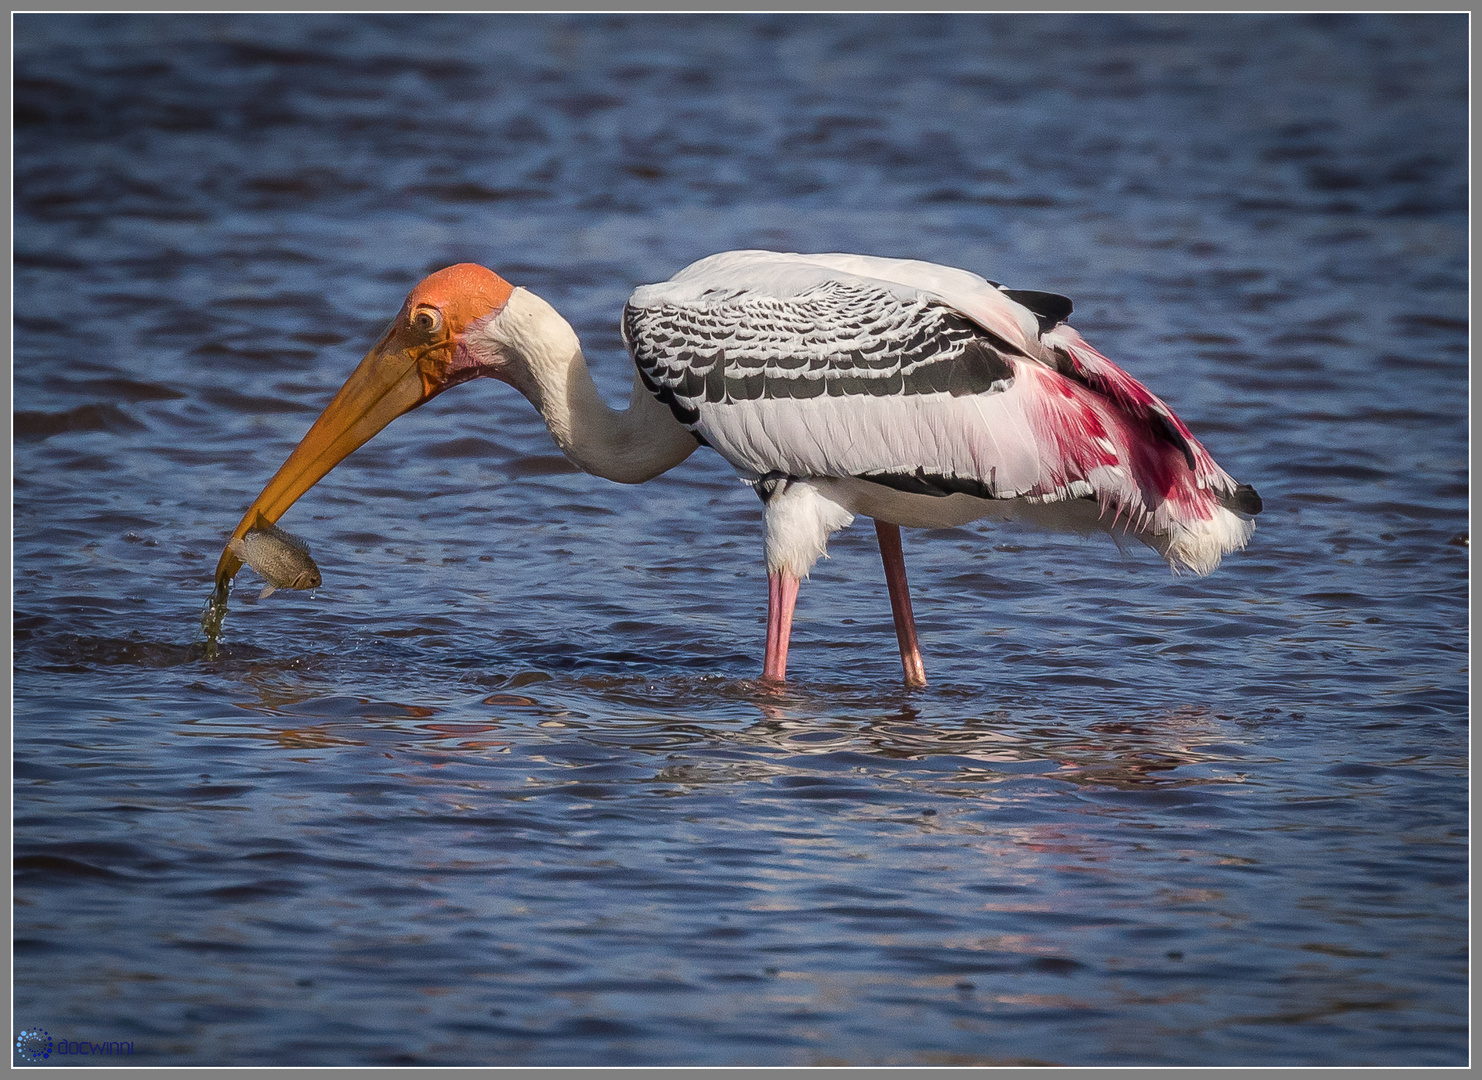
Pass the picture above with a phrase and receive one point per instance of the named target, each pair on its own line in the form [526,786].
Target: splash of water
[213,615]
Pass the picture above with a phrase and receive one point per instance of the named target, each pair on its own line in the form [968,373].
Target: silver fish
[280,557]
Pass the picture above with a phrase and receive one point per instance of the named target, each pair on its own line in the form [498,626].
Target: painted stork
[835,385]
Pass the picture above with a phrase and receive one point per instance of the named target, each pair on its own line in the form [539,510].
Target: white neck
[544,362]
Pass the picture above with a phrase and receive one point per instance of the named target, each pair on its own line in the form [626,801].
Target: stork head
[443,335]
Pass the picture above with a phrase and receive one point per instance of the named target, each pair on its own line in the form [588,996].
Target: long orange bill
[387,384]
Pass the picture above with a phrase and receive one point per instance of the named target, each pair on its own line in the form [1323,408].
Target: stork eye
[427,320]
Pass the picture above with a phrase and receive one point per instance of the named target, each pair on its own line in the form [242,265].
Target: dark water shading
[503,790]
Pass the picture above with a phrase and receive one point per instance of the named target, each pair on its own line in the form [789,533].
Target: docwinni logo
[37,1045]
[33,1043]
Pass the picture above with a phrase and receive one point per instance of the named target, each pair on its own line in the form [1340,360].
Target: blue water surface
[505,789]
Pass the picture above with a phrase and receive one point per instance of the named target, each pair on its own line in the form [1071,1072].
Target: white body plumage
[925,396]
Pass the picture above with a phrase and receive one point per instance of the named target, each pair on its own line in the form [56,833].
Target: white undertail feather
[1199,546]
[1190,529]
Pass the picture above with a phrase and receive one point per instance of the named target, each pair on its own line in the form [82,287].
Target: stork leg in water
[900,601]
[798,518]
[782,597]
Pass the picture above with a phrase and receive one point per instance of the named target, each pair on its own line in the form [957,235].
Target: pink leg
[900,601]
[782,597]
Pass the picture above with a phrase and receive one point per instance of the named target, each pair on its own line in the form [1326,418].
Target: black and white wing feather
[843,365]
[833,339]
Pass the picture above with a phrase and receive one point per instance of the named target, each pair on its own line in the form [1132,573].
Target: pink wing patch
[1091,368]
[1103,426]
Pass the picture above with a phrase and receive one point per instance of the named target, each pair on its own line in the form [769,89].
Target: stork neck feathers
[530,346]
